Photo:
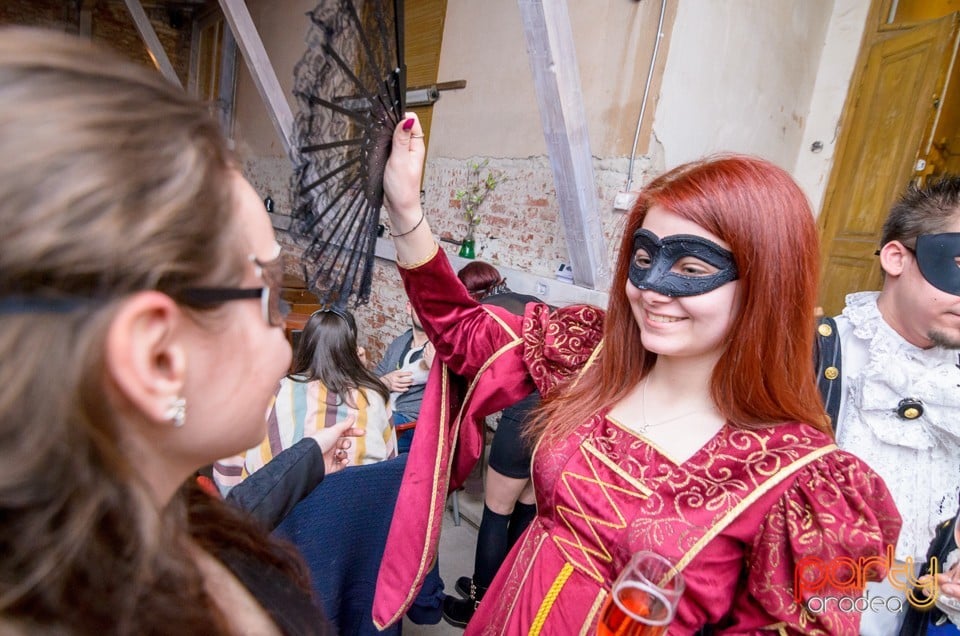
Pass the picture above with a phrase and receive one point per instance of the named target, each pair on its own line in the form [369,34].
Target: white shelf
[552,291]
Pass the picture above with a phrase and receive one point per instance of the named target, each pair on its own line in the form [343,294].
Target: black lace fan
[350,86]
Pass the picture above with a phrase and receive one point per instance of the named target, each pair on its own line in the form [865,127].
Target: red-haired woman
[481,280]
[685,420]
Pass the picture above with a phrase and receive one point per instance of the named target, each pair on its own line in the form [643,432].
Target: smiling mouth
[663,319]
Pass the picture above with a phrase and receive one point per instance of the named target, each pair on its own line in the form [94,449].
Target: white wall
[282,25]
[812,168]
[740,77]
[497,114]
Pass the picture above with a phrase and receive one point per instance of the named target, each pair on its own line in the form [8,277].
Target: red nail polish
[407,125]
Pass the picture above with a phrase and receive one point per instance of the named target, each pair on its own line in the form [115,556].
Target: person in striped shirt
[328,384]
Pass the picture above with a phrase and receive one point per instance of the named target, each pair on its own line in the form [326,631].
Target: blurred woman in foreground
[140,339]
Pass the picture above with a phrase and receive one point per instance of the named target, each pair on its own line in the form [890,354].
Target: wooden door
[893,114]
[423,38]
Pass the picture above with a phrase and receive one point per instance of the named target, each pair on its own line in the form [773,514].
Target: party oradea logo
[837,584]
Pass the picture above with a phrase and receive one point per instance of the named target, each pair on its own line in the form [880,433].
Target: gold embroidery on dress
[588,620]
[673,460]
[549,599]
[731,515]
[526,573]
[583,369]
[594,485]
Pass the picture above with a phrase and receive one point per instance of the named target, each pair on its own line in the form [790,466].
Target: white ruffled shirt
[918,459]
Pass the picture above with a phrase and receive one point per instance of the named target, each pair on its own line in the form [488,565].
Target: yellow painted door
[424,35]
[900,94]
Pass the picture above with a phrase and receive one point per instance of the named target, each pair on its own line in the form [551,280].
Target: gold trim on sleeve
[505,326]
[411,594]
[749,500]
[436,248]
[476,379]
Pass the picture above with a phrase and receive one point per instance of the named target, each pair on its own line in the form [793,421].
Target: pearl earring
[176,413]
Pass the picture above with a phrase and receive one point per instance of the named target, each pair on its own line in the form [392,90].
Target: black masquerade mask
[937,256]
[654,258]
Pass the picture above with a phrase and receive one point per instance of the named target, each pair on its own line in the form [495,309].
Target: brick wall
[111,25]
[520,225]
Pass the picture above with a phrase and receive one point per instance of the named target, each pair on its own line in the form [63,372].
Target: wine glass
[644,598]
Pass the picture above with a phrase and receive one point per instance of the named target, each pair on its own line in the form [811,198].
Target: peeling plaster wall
[812,168]
[496,115]
[497,118]
[282,25]
[740,77]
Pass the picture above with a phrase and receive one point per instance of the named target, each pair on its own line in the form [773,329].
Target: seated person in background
[404,371]
[132,353]
[508,500]
[900,406]
[328,385]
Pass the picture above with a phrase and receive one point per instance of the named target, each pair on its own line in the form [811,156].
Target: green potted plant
[472,197]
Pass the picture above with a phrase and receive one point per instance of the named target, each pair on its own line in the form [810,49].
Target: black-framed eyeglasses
[274,308]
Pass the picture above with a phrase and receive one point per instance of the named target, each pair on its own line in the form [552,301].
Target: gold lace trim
[424,261]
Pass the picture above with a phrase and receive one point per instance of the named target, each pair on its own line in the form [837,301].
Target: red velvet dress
[736,516]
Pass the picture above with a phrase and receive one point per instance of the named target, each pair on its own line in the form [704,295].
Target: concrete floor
[457,547]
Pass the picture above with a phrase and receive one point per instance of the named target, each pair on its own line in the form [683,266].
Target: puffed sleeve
[558,343]
[468,335]
[835,517]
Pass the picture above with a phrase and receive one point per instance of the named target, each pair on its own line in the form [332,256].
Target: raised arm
[467,335]
[401,182]
[464,333]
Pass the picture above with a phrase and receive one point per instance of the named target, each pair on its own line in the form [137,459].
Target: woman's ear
[145,358]
[893,258]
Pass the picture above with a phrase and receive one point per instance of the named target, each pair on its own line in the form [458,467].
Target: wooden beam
[226,91]
[154,48]
[553,60]
[258,62]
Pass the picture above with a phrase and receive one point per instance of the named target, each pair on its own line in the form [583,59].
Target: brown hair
[112,182]
[327,352]
[764,376]
[480,279]
[926,209]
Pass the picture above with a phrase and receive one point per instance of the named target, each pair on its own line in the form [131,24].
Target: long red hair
[764,376]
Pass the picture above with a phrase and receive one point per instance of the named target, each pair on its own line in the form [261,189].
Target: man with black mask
[898,404]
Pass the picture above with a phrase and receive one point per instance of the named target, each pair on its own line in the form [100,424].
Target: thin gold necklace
[644,427]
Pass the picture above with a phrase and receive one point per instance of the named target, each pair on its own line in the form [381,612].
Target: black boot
[463,586]
[457,611]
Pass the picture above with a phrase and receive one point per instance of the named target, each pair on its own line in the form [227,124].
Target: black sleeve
[269,494]
[827,359]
